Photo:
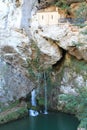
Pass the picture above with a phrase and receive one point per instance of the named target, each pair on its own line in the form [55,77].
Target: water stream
[45,94]
[33,98]
[33,103]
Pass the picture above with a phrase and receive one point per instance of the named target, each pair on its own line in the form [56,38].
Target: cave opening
[59,63]
[38,1]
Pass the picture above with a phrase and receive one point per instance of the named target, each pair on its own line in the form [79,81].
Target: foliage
[37,70]
[81,12]
[77,44]
[63,4]
[34,63]
[84,32]
[10,106]
[36,67]
[79,24]
[81,15]
[13,115]
[77,104]
[41,101]
[79,66]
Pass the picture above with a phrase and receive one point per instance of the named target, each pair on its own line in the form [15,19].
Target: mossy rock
[13,114]
[28,105]
[10,105]
[41,101]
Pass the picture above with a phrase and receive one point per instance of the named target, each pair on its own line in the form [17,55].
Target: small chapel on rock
[48,16]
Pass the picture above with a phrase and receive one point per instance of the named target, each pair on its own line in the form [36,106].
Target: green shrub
[84,32]
[81,12]
[13,115]
[62,4]
[77,104]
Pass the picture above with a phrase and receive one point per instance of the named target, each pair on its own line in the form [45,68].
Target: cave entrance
[38,1]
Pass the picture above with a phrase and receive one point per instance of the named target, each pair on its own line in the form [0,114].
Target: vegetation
[10,106]
[81,15]
[81,12]
[84,32]
[35,66]
[79,66]
[37,69]
[77,44]
[13,111]
[14,114]
[77,104]
[62,4]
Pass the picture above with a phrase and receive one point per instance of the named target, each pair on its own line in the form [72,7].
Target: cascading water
[45,93]
[33,102]
[33,98]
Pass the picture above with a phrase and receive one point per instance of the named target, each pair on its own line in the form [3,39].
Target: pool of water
[51,121]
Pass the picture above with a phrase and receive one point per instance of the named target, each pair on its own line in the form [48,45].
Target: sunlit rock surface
[18,29]
[13,83]
[66,35]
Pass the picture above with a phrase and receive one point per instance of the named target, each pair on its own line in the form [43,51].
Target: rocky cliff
[62,47]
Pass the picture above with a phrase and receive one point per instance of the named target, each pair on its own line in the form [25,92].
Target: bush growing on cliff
[81,15]
[11,115]
[62,4]
[84,32]
[77,104]
[81,12]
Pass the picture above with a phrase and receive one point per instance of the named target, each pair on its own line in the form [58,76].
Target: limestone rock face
[15,49]
[67,81]
[66,36]
[13,83]
[18,29]
[48,48]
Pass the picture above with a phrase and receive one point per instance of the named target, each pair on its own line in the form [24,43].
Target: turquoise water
[51,121]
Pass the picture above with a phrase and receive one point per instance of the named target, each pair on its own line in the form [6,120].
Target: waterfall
[45,93]
[33,103]
[33,98]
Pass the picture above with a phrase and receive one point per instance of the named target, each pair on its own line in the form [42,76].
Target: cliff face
[58,44]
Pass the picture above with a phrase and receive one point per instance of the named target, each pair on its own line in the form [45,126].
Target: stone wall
[48,18]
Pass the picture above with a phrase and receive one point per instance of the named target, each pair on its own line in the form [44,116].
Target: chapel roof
[49,9]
